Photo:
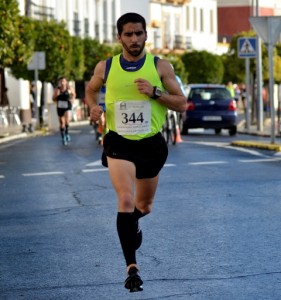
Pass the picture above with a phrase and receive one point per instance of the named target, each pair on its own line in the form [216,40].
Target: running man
[139,89]
[64,96]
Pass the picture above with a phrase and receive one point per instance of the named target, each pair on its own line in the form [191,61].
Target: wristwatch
[157,92]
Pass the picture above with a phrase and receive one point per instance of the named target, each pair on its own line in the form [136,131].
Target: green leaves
[203,67]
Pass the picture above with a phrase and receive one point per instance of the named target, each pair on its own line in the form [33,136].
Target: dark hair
[130,18]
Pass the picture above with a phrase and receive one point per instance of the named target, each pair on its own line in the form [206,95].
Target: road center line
[42,174]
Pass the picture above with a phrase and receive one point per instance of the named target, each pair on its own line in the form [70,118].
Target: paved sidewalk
[15,132]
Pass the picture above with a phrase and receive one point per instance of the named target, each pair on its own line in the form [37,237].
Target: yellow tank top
[129,113]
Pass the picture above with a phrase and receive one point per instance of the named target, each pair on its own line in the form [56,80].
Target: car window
[209,94]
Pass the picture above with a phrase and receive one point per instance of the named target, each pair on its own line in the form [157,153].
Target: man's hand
[144,87]
[95,112]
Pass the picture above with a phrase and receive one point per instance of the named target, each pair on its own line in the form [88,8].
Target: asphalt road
[213,232]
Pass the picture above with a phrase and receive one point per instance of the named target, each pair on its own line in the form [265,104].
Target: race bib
[132,117]
[62,104]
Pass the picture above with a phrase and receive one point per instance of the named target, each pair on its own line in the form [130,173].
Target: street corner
[257,145]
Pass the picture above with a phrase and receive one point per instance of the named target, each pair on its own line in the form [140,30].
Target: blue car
[209,106]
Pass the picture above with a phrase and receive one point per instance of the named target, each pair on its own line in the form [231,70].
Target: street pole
[36,77]
[248,99]
[271,90]
[259,78]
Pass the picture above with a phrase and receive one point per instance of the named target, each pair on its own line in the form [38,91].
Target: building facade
[171,24]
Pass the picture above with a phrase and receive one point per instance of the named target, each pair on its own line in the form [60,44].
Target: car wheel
[217,130]
[233,130]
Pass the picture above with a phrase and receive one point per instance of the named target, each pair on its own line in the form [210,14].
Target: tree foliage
[178,66]
[9,32]
[93,53]
[203,67]
[77,59]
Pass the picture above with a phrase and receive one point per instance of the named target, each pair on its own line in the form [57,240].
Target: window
[76,24]
[187,18]
[86,26]
[201,20]
[211,21]
[194,19]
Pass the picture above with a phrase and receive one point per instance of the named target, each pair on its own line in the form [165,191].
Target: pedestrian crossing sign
[247,47]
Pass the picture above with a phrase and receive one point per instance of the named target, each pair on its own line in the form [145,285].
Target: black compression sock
[66,129]
[126,228]
[138,214]
[62,132]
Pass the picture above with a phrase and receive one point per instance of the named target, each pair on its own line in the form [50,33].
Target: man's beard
[134,52]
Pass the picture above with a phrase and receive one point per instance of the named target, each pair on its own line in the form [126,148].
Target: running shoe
[133,281]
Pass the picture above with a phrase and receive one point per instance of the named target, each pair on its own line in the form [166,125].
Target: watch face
[158,92]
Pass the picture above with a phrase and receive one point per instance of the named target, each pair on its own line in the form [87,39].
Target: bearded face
[133,39]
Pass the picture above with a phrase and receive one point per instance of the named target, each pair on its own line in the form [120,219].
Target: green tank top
[133,115]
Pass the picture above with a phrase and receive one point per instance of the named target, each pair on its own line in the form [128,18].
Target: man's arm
[174,98]
[56,93]
[92,91]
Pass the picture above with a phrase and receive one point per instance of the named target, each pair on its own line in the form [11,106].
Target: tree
[77,59]
[178,66]
[52,38]
[203,67]
[94,52]
[9,37]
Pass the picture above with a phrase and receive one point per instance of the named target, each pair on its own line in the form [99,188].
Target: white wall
[18,91]
[138,6]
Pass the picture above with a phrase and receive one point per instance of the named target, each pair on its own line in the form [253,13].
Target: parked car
[209,106]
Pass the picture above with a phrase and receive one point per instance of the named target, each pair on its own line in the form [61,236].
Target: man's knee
[126,202]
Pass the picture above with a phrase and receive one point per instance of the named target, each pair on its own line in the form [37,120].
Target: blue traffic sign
[247,47]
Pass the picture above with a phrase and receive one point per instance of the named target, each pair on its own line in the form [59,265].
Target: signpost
[269,28]
[37,62]
[247,48]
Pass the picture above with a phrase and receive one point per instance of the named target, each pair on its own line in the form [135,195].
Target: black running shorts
[61,111]
[149,154]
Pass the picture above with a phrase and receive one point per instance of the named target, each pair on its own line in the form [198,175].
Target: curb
[251,144]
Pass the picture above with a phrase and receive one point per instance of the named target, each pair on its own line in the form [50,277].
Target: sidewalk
[15,132]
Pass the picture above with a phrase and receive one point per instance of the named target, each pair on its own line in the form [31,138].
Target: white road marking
[253,152]
[226,145]
[169,165]
[94,163]
[94,170]
[42,174]
[259,160]
[208,162]
[2,176]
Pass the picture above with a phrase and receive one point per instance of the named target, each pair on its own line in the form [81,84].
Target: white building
[172,24]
